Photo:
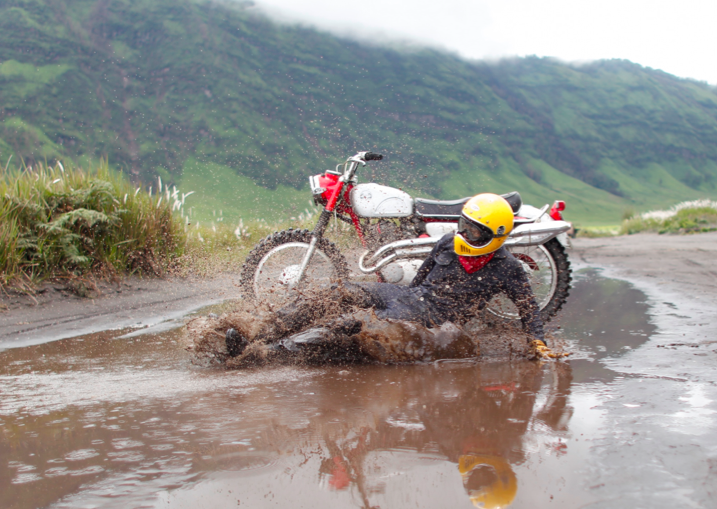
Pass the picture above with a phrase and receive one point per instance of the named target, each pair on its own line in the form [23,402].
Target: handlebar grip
[370,156]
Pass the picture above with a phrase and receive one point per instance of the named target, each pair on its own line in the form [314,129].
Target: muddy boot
[236,343]
[322,344]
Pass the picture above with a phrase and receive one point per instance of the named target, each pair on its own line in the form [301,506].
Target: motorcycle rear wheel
[549,271]
[270,271]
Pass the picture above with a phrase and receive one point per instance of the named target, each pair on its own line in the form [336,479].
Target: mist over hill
[220,100]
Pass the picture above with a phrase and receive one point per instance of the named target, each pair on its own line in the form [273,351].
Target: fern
[80,217]
[68,220]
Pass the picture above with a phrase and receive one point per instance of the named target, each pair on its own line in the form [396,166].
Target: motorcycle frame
[526,233]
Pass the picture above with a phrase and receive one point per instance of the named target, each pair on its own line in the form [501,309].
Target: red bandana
[474,263]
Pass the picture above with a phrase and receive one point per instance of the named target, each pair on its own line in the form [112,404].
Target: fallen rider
[464,271]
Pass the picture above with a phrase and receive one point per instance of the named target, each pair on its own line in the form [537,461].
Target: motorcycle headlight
[315,186]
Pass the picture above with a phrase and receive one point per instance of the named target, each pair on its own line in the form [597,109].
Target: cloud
[675,37]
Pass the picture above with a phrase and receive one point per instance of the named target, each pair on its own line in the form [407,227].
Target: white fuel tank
[374,200]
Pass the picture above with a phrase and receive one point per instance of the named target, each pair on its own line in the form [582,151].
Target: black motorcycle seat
[514,200]
[451,209]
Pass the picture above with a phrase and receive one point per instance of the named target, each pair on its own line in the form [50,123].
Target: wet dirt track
[106,421]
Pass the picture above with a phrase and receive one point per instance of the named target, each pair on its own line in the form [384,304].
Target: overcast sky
[676,36]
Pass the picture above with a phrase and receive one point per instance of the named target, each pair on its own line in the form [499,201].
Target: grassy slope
[231,106]
[220,192]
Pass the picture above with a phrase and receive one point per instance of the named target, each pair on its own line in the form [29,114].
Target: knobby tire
[251,264]
[564,277]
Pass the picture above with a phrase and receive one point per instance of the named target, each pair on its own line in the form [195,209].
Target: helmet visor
[476,234]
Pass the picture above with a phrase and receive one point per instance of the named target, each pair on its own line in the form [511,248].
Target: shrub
[687,217]
[71,221]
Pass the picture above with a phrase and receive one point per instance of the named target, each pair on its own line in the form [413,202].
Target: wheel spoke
[276,276]
[542,273]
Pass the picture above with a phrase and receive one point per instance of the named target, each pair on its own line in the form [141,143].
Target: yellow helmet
[489,480]
[485,223]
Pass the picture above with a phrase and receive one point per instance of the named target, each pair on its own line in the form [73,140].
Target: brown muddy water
[110,421]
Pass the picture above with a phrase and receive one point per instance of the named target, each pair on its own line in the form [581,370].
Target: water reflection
[106,422]
[603,318]
[471,419]
[355,437]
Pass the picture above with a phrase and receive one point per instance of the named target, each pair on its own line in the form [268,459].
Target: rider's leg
[388,300]
[306,310]
[398,302]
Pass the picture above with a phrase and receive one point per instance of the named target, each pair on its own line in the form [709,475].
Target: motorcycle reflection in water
[476,417]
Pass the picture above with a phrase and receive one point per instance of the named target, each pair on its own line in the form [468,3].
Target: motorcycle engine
[384,232]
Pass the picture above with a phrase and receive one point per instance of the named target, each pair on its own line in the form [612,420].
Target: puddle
[111,421]
[603,318]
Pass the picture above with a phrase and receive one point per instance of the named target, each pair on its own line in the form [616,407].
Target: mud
[360,337]
[109,421]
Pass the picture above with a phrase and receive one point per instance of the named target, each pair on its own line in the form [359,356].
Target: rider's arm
[430,261]
[518,290]
[423,271]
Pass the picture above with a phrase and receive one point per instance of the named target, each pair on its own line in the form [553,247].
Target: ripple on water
[81,454]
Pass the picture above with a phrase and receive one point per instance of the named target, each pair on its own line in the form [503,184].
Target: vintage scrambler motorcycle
[397,233]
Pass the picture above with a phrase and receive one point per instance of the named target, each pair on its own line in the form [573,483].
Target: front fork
[318,232]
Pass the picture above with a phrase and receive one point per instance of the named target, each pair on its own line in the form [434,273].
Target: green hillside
[218,100]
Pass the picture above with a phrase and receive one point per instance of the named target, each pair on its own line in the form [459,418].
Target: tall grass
[218,247]
[686,217]
[56,220]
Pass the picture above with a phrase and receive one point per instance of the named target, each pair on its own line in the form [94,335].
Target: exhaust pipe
[410,248]
[535,234]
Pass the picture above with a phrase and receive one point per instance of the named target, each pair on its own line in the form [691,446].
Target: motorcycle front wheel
[548,269]
[270,272]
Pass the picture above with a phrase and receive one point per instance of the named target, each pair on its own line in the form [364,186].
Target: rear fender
[535,234]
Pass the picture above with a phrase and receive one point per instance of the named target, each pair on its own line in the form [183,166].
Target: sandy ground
[658,446]
[685,263]
[148,304]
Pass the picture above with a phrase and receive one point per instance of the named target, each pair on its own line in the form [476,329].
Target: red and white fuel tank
[374,200]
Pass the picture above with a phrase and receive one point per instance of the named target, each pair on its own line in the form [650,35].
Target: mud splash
[367,340]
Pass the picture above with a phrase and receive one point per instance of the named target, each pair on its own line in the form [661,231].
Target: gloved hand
[539,350]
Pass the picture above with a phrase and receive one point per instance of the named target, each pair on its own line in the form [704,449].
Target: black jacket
[454,295]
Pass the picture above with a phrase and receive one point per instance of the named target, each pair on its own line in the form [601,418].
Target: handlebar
[354,161]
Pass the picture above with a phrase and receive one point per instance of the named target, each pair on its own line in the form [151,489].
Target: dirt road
[142,303]
[682,263]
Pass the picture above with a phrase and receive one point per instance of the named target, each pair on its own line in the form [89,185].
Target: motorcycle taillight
[556,209]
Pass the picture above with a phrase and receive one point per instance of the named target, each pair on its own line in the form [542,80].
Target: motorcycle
[397,233]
